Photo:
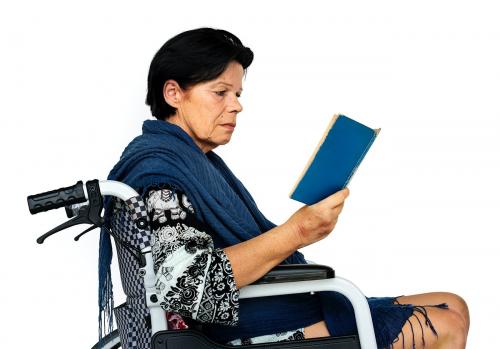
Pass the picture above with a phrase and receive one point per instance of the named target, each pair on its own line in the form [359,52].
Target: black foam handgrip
[56,198]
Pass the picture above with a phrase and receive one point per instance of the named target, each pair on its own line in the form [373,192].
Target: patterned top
[194,280]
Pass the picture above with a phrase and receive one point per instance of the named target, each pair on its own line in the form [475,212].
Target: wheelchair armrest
[296,272]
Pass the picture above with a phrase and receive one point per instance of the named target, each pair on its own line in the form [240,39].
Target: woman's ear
[172,93]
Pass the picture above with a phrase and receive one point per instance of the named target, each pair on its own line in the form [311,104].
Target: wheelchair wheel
[111,341]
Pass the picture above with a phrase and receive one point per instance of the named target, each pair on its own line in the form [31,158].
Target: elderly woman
[209,237]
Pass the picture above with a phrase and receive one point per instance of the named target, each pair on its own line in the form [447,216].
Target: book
[335,160]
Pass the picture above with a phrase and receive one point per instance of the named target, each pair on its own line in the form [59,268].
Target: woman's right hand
[314,222]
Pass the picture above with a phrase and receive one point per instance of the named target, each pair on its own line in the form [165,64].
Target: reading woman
[210,238]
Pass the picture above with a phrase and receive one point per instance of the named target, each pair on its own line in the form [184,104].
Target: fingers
[339,208]
[335,199]
[347,191]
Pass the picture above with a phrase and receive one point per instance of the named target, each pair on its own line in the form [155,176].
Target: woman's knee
[457,304]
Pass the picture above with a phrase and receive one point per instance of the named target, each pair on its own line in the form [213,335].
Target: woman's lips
[229,126]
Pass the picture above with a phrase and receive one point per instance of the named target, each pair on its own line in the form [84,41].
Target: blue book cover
[335,160]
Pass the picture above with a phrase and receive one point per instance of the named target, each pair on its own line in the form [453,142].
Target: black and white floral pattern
[193,278]
[219,302]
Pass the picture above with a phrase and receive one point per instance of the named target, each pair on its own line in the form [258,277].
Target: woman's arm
[252,259]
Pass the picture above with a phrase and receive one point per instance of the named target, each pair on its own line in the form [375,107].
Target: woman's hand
[314,222]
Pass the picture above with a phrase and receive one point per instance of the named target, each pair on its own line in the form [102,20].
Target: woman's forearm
[252,259]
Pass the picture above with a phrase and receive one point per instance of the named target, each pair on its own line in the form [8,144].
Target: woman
[209,237]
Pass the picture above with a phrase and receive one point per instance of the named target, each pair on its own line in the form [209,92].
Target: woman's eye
[223,93]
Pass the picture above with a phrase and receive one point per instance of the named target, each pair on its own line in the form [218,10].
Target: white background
[424,205]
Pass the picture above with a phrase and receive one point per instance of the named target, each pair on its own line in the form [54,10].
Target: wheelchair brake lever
[74,221]
[90,214]
[86,231]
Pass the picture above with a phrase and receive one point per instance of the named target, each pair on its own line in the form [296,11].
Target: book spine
[360,159]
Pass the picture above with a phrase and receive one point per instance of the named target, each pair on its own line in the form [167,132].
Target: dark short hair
[191,57]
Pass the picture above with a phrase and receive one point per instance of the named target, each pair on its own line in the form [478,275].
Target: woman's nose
[235,104]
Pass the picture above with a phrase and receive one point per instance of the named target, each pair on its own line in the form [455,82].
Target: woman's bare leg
[450,324]
[455,303]
[318,329]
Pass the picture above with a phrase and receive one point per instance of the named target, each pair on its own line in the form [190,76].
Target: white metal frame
[352,292]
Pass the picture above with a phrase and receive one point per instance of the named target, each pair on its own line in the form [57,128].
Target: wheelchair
[84,204]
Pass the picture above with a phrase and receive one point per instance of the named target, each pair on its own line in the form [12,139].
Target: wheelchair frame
[270,286]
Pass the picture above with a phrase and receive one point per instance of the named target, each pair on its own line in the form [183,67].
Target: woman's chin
[225,140]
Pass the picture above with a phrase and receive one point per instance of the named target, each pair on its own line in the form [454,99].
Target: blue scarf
[166,154]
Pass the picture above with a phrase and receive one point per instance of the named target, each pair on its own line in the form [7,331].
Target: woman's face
[205,109]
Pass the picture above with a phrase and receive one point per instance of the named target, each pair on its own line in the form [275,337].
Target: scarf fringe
[106,303]
[421,310]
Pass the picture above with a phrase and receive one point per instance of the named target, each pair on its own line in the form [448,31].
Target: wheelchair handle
[56,198]
[92,194]
[76,194]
